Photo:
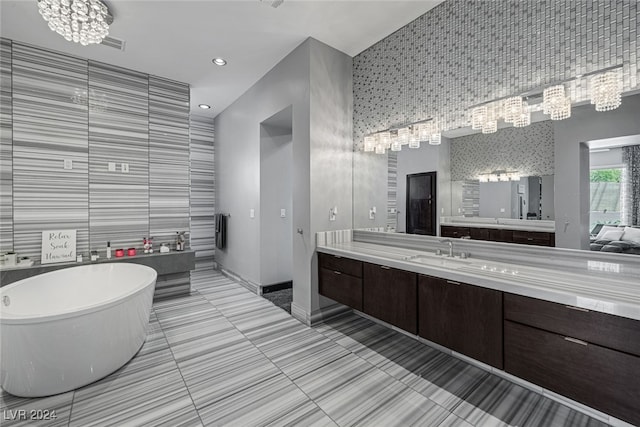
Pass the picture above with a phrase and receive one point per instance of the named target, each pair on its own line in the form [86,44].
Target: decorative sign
[58,246]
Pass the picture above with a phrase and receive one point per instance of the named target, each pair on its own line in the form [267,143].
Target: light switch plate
[283,213]
[252,213]
[111,166]
[502,210]
[68,164]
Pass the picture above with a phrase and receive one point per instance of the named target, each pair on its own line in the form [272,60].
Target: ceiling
[178,39]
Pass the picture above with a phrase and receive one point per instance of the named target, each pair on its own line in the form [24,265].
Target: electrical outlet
[124,168]
[68,164]
[502,210]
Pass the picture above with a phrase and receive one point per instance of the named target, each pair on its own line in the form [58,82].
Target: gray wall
[316,81]
[605,159]
[276,193]
[572,164]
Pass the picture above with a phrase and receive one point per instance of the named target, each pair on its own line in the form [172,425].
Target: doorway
[276,201]
[421,204]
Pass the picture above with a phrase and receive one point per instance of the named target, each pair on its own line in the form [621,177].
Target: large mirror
[557,200]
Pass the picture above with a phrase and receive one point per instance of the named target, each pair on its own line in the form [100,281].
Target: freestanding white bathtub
[68,328]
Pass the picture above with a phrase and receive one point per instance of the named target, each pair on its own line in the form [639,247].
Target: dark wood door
[464,318]
[599,377]
[391,296]
[421,203]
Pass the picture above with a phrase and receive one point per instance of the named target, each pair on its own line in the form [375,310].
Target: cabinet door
[451,231]
[479,233]
[341,287]
[464,318]
[391,295]
[499,235]
[599,377]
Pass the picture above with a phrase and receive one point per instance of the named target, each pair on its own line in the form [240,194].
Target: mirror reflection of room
[614,183]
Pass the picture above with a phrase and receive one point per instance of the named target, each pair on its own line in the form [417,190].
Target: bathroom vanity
[571,331]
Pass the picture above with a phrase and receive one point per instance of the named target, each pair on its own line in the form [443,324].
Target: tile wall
[58,108]
[465,52]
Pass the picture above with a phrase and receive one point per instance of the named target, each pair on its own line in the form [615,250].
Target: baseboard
[319,315]
[251,286]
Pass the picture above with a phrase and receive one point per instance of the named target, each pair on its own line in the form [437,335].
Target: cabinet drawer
[449,231]
[341,288]
[615,332]
[532,238]
[599,377]
[338,263]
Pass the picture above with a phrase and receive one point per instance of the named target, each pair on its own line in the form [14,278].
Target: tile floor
[226,357]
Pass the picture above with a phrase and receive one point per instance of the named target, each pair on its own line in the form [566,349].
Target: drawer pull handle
[530,239]
[337,272]
[577,308]
[337,256]
[575,341]
[451,282]
[385,267]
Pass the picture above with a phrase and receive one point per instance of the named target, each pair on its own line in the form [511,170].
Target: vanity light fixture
[411,135]
[204,106]
[499,176]
[219,61]
[81,21]
[605,92]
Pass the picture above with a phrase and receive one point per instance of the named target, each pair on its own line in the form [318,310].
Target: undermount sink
[438,261]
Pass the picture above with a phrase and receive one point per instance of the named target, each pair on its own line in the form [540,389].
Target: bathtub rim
[17,319]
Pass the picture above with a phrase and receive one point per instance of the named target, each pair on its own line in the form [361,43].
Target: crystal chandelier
[513,109]
[412,135]
[82,21]
[523,118]
[556,103]
[606,91]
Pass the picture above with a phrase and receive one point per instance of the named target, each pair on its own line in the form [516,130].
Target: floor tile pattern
[223,356]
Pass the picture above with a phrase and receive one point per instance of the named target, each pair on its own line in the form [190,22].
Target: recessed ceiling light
[204,106]
[219,61]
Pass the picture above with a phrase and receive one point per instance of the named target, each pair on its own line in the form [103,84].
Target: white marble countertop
[618,295]
[500,223]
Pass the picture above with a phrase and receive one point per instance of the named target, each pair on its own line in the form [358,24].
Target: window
[606,196]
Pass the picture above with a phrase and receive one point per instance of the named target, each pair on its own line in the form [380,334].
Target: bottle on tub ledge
[180,240]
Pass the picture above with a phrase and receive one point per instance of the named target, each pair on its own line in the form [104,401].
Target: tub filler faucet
[450,246]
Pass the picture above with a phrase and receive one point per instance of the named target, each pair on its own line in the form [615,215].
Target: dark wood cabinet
[455,232]
[391,296]
[464,318]
[340,279]
[605,379]
[539,238]
[500,235]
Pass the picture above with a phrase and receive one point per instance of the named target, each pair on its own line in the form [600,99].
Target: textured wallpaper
[465,52]
[527,150]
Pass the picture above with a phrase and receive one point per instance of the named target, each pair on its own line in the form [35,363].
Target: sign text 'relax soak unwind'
[58,246]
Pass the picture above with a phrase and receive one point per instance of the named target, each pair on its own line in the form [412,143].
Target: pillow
[613,234]
[631,235]
[605,229]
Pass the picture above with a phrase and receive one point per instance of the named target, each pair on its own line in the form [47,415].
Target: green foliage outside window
[606,175]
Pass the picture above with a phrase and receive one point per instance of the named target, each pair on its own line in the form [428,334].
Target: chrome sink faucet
[450,246]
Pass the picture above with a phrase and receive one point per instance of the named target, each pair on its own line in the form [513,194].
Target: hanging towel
[221,230]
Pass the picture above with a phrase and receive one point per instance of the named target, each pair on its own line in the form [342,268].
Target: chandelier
[81,21]
[606,91]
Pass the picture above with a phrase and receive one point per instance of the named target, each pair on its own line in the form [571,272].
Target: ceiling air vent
[113,42]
